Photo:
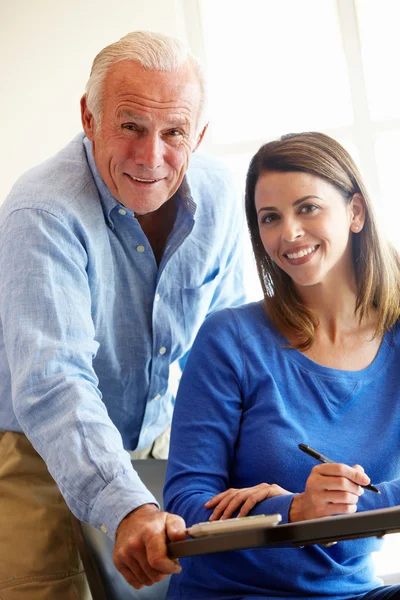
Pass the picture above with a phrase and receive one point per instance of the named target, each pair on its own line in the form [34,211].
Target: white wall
[47,48]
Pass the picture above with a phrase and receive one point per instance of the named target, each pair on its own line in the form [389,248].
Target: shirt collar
[108,201]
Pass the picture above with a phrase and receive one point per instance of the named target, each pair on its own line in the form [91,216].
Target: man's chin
[143,205]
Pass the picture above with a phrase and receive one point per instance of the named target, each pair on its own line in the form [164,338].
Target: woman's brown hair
[376,262]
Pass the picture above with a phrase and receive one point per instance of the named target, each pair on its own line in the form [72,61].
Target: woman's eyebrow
[295,203]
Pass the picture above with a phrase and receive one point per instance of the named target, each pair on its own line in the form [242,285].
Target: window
[279,67]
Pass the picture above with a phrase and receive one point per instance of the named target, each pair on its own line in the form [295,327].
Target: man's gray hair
[154,51]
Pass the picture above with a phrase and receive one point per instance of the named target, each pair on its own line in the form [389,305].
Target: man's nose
[148,152]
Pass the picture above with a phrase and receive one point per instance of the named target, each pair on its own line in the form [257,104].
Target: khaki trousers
[39,559]
[158,449]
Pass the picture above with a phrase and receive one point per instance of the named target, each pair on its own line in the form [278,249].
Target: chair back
[95,547]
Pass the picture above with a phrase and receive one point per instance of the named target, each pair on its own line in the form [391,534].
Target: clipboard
[325,531]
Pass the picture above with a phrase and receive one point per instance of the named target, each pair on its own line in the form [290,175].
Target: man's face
[147,133]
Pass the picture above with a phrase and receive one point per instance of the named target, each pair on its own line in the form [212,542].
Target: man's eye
[174,132]
[129,126]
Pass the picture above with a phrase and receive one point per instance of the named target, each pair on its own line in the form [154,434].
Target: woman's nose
[291,229]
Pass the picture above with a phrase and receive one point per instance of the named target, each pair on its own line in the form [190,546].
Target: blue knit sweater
[245,402]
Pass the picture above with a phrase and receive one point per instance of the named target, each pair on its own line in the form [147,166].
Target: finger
[341,497]
[342,470]
[247,506]
[249,496]
[340,484]
[277,490]
[131,569]
[216,499]
[261,494]
[358,468]
[175,528]
[156,556]
[328,502]
[131,578]
[219,510]
[233,506]
[328,510]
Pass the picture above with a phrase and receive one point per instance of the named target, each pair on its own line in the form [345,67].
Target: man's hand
[226,503]
[331,489]
[140,550]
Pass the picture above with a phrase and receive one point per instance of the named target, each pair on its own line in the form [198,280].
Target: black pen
[325,459]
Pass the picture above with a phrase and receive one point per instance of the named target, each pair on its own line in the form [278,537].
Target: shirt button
[122,211]
[162,350]
[157,397]
[104,529]
[140,248]
[157,298]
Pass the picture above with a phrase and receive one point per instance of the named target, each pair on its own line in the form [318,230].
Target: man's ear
[200,138]
[88,122]
[357,212]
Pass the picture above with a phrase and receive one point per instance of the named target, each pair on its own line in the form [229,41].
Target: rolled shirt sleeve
[90,323]
[50,343]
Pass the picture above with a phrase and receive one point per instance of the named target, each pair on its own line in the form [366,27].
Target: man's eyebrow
[174,121]
[128,114]
[295,203]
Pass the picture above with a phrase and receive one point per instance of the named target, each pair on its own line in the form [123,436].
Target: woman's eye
[307,208]
[269,218]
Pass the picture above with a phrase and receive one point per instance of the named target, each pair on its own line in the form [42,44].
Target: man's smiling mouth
[144,180]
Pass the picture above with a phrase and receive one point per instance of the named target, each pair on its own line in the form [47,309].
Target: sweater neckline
[310,365]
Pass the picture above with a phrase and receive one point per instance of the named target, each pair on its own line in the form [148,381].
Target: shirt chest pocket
[196,303]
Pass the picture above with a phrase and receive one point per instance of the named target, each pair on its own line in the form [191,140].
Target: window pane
[380,46]
[388,205]
[274,67]
[238,164]
[387,560]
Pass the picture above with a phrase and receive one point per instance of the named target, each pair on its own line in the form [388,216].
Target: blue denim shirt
[90,323]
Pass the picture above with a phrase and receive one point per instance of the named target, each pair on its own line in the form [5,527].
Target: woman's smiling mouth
[301,253]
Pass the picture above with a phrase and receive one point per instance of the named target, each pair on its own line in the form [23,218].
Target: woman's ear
[357,211]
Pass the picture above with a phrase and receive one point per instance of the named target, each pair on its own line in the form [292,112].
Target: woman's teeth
[301,253]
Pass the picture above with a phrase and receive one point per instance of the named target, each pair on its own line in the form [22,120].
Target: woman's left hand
[226,503]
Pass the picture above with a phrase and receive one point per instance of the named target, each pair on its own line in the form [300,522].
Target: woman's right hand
[331,489]
[227,503]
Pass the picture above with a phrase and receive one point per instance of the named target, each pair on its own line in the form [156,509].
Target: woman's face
[305,226]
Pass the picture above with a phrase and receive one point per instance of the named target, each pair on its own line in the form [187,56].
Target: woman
[315,362]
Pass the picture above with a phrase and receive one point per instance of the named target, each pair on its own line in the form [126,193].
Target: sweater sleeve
[206,424]
[389,496]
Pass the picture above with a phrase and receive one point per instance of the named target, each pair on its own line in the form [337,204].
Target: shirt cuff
[120,497]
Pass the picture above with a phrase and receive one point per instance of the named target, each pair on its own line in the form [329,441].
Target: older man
[112,253]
